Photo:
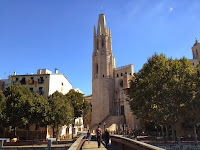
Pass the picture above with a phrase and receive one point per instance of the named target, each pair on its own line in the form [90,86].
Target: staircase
[110,122]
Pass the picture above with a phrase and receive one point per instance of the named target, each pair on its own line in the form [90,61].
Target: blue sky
[38,34]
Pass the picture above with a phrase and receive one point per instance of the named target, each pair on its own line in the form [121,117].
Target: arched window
[96,68]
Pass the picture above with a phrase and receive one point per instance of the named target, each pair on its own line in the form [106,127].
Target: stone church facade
[109,83]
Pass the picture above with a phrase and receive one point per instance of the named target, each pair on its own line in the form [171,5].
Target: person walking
[98,135]
[107,137]
[89,136]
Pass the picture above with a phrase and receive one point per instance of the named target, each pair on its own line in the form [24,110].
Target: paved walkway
[94,145]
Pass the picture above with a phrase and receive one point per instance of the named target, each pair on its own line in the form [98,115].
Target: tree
[2,111]
[59,111]
[18,106]
[160,90]
[80,105]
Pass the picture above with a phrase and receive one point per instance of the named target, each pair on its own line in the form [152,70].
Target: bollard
[179,140]
[49,144]
[1,143]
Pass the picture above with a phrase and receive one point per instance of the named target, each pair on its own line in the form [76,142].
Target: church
[109,105]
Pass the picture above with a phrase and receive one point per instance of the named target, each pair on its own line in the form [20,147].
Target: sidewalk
[94,145]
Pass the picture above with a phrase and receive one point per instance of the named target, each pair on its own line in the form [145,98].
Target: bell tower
[196,50]
[103,64]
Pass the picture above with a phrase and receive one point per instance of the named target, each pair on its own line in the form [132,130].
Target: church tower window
[121,83]
[196,52]
[97,68]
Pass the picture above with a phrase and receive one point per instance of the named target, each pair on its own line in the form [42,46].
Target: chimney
[56,71]
[15,73]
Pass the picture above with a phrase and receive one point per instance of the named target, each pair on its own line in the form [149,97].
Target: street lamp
[104,124]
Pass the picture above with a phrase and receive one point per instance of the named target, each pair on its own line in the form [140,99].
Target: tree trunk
[162,131]
[53,132]
[72,130]
[173,134]
[57,133]
[27,131]
[15,132]
[195,133]
[167,132]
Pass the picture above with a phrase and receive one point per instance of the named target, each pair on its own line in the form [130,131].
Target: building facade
[44,82]
[108,82]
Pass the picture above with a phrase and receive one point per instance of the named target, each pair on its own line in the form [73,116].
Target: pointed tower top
[94,31]
[102,25]
[196,42]
[109,32]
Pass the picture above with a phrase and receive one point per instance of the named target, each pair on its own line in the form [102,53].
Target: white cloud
[171,9]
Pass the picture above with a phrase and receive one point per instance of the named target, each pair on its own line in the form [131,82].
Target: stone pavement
[94,145]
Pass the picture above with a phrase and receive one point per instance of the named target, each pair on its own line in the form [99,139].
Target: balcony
[31,81]
[23,81]
[40,81]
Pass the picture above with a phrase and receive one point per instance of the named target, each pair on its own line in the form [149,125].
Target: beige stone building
[109,106]
[44,82]
[195,53]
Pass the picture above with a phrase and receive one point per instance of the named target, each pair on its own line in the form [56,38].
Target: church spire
[109,32]
[102,27]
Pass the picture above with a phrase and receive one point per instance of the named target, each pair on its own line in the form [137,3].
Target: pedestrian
[89,136]
[98,135]
[107,137]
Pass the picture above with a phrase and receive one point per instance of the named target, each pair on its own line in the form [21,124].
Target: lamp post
[104,124]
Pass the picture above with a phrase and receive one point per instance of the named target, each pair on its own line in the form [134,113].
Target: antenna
[101,8]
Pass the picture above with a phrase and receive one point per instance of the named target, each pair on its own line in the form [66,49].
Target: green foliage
[80,105]
[2,110]
[39,110]
[162,90]
[59,110]
[18,105]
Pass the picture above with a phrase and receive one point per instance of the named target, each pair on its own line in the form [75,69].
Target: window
[41,80]
[121,74]
[31,89]
[31,81]
[122,110]
[23,81]
[121,84]
[196,52]
[130,73]
[125,72]
[16,79]
[97,68]
[193,64]
[40,90]
[117,75]
[103,76]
